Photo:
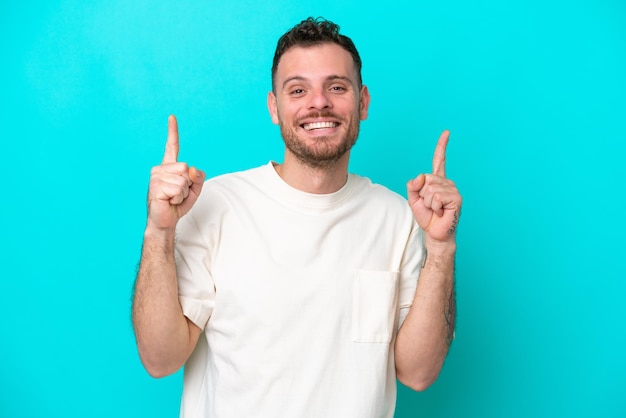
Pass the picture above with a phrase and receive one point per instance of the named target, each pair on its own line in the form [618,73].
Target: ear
[364,102]
[272,107]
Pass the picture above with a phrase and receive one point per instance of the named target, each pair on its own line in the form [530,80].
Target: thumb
[197,179]
[414,186]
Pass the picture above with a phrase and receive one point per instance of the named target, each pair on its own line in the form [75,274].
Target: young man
[291,290]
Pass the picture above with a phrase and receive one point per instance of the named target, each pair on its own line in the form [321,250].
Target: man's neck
[316,180]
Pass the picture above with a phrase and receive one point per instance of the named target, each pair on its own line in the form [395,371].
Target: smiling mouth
[319,125]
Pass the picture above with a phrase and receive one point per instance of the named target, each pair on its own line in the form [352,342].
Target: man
[291,290]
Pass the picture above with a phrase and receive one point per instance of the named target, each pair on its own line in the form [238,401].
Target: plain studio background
[532,91]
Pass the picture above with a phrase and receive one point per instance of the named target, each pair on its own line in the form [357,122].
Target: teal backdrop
[532,91]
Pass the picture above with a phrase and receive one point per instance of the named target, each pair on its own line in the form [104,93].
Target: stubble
[325,152]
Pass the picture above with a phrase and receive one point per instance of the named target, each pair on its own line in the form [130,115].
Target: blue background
[532,91]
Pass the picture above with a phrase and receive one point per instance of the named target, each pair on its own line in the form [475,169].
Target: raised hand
[174,187]
[434,199]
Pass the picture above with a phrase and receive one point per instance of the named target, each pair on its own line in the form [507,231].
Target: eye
[338,89]
[296,92]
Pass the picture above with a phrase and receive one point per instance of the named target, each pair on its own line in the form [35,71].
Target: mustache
[318,115]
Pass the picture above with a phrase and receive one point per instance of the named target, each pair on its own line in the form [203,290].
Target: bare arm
[165,337]
[425,336]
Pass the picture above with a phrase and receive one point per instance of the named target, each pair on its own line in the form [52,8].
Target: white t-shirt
[299,295]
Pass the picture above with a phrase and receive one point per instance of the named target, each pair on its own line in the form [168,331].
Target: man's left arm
[423,340]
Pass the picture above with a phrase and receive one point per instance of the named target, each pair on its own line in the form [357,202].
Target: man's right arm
[165,337]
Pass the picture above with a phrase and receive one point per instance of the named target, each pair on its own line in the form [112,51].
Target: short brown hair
[311,32]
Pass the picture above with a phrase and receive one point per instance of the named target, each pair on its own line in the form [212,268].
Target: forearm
[165,337]
[425,336]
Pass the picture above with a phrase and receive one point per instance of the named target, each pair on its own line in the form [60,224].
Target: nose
[319,99]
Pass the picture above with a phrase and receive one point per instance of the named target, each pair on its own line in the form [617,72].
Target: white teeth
[318,125]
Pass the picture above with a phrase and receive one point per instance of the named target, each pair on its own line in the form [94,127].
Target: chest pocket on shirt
[374,306]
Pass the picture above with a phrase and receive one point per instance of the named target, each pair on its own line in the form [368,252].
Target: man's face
[318,103]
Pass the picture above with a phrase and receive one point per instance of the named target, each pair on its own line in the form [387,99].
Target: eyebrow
[329,78]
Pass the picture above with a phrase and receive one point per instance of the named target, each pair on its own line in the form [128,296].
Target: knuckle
[182,182]
[155,182]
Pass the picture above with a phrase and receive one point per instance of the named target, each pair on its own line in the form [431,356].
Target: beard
[325,152]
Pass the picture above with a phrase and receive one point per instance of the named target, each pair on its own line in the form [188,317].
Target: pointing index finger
[439,160]
[172,145]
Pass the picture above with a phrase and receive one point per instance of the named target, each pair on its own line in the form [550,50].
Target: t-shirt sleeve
[411,266]
[196,289]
